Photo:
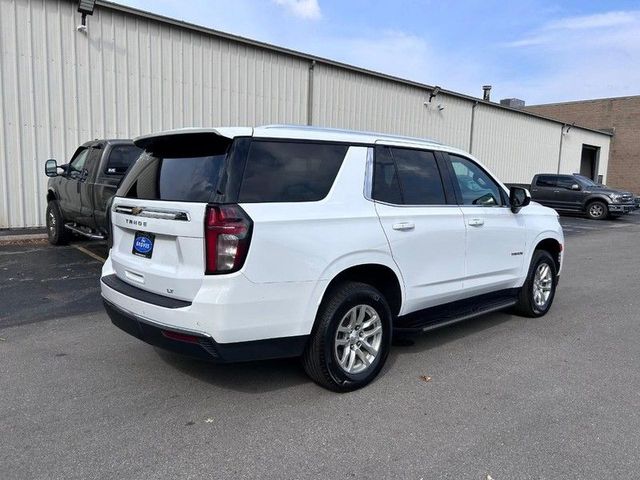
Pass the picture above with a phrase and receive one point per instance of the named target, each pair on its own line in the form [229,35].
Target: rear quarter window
[121,158]
[290,171]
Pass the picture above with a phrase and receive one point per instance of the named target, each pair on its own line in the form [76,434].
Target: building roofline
[589,100]
[317,59]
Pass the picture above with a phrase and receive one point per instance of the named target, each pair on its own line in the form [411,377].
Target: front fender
[558,236]
[597,196]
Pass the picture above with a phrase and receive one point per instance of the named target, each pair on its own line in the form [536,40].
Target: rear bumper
[621,208]
[228,308]
[202,346]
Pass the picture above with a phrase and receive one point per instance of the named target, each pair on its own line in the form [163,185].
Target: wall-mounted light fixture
[434,93]
[85,7]
[566,128]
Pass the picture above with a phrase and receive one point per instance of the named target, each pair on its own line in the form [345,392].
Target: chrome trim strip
[92,236]
[368,175]
[153,213]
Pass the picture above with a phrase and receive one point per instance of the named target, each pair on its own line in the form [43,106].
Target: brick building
[619,115]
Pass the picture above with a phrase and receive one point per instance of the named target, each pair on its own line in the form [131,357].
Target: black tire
[597,210]
[56,232]
[527,305]
[320,358]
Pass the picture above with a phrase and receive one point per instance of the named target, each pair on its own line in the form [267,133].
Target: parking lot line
[90,253]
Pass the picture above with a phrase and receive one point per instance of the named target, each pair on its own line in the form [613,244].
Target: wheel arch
[597,198]
[381,274]
[553,246]
[51,195]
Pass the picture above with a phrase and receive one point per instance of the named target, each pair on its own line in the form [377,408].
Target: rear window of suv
[280,171]
[184,168]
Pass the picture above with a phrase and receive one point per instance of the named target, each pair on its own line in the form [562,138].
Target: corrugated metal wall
[128,76]
[347,99]
[515,146]
[132,74]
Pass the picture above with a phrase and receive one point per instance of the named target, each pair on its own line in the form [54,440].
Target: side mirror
[51,168]
[519,197]
[575,186]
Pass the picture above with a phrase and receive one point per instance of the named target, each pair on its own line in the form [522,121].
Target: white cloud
[307,9]
[580,57]
[592,27]
[600,20]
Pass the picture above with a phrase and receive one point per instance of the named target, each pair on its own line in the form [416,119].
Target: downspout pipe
[560,151]
[473,119]
[312,67]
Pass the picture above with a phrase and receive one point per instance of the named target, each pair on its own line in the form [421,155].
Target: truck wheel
[597,210]
[539,289]
[55,225]
[351,339]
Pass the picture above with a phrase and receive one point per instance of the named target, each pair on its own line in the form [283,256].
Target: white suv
[238,244]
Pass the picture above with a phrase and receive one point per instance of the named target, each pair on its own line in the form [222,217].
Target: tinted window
[476,187]
[407,177]
[191,179]
[385,178]
[420,181]
[546,181]
[186,179]
[290,172]
[121,158]
[566,182]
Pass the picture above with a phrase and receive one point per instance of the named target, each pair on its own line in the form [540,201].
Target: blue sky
[540,51]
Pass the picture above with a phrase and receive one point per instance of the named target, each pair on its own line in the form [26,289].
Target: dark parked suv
[580,194]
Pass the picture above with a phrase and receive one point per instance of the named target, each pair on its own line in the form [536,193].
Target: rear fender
[341,264]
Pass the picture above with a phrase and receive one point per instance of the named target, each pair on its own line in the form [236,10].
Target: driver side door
[568,198]
[495,240]
[69,195]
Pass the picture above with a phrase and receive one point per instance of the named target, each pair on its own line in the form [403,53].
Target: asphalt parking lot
[513,398]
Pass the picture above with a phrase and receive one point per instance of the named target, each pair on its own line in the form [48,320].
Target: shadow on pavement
[248,377]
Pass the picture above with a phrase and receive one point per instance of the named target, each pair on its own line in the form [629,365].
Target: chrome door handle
[404,226]
[476,222]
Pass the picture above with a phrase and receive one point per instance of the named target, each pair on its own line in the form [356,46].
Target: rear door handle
[404,226]
[476,222]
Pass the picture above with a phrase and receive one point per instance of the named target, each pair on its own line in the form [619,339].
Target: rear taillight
[227,232]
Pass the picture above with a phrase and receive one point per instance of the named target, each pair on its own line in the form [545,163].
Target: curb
[23,237]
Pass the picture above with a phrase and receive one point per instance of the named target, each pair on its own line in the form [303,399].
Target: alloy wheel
[542,285]
[596,210]
[358,338]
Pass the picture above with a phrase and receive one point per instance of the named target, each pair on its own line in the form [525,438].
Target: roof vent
[486,93]
[512,102]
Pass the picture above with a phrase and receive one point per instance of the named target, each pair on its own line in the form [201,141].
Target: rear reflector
[180,337]
[227,232]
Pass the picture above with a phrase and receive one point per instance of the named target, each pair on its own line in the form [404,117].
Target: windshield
[586,181]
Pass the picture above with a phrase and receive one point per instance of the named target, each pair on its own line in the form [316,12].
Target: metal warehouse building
[133,72]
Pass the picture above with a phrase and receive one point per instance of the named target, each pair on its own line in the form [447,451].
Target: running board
[74,229]
[469,316]
[444,315]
